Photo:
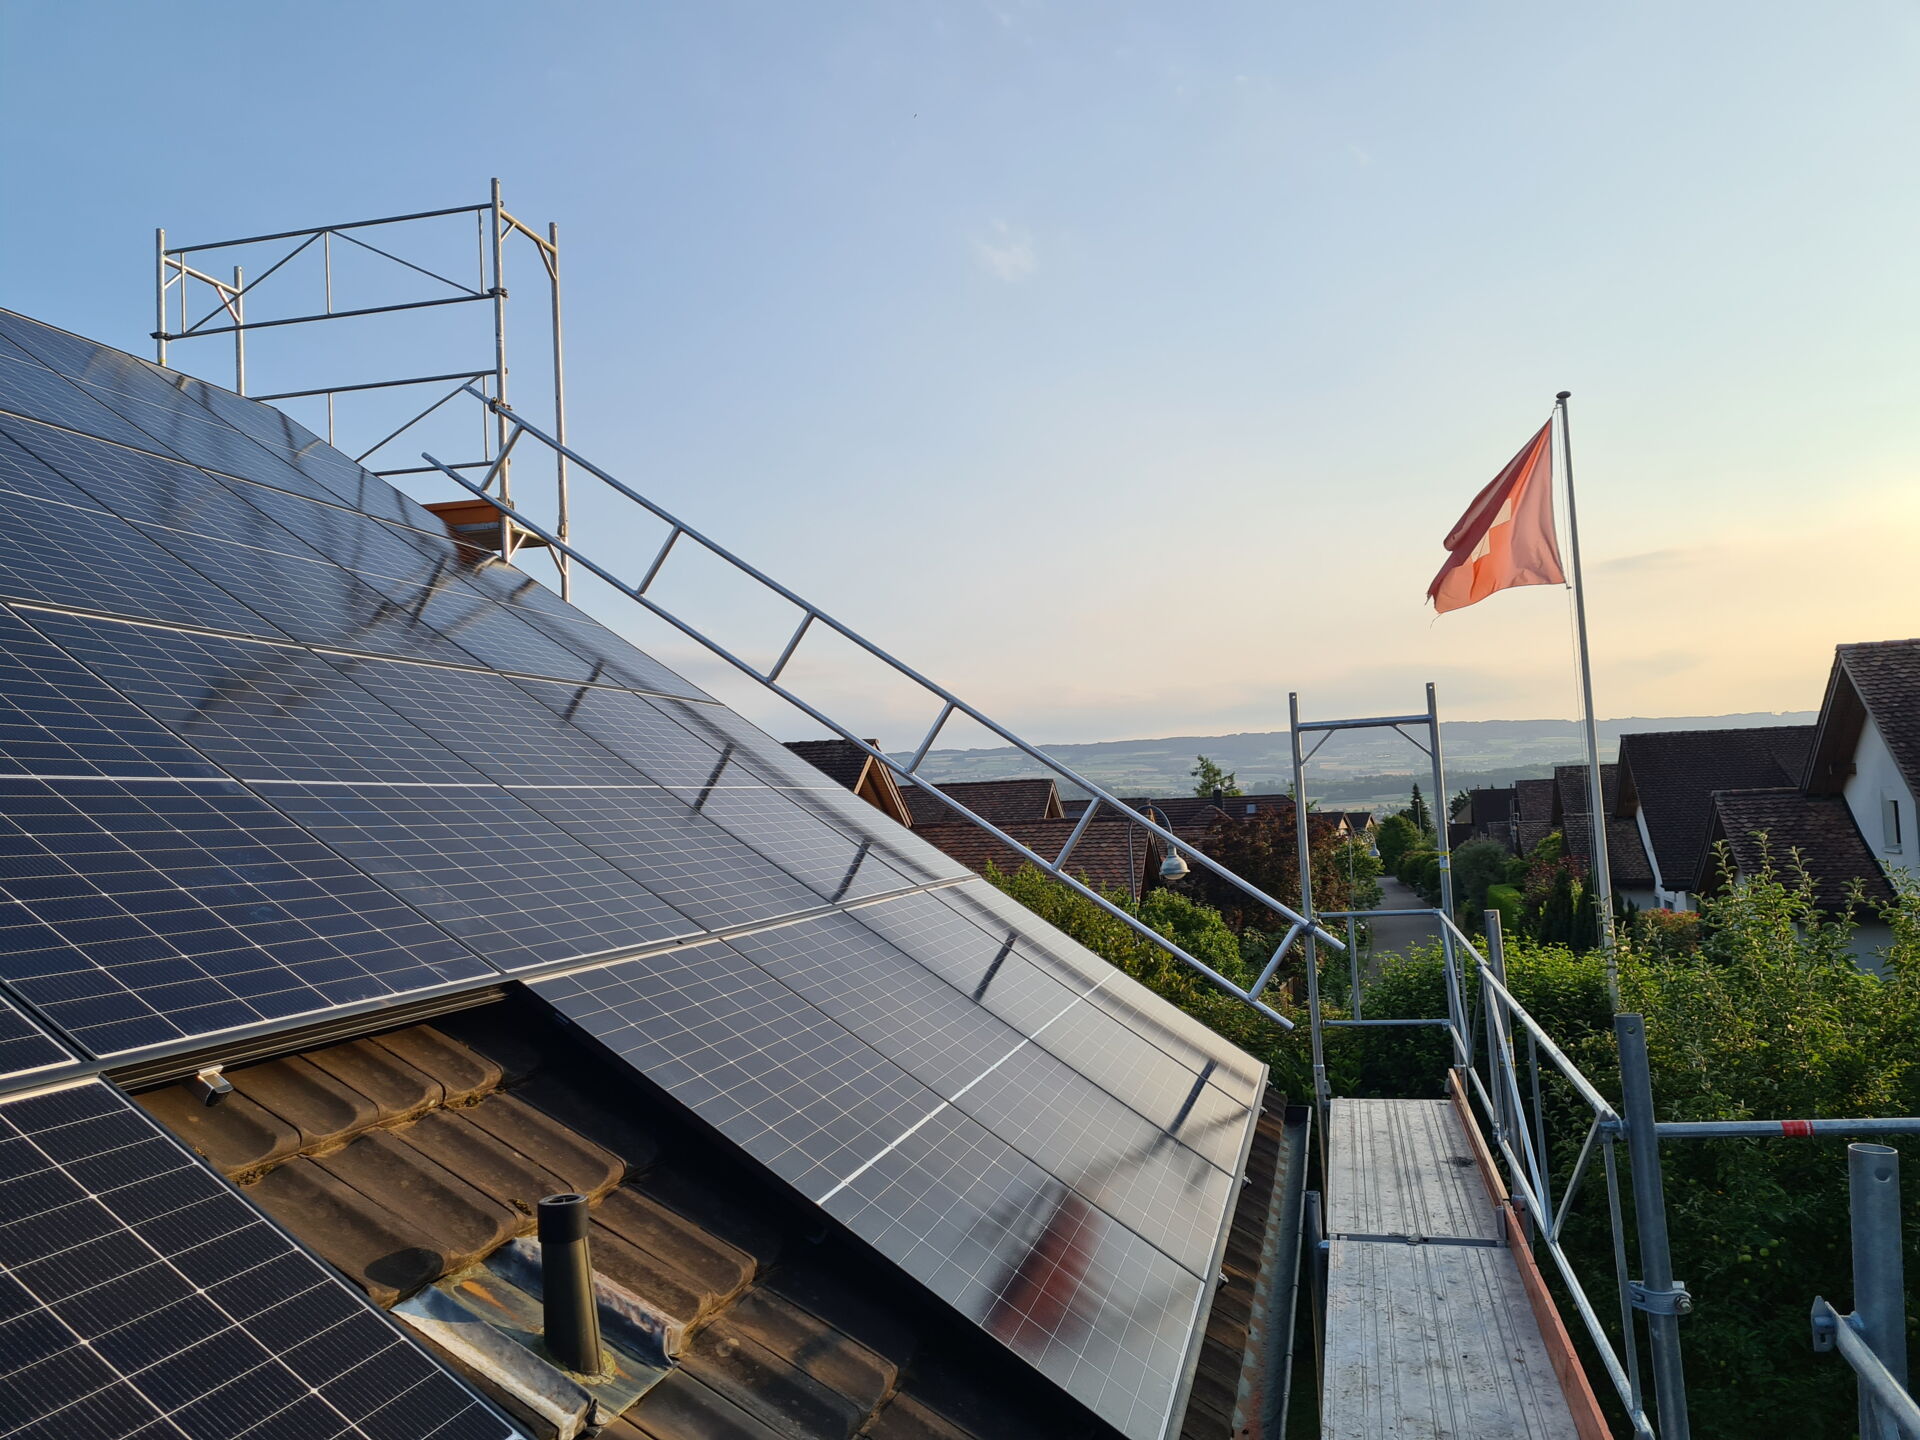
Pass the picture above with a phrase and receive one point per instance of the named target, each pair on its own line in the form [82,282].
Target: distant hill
[1377,762]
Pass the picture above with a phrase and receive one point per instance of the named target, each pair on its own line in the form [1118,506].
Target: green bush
[1393,837]
[1508,900]
[1768,1018]
[1477,865]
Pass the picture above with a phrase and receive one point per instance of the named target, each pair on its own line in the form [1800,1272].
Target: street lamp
[1175,866]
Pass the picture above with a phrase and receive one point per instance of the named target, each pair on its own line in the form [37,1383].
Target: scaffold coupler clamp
[1826,1320]
[1672,1300]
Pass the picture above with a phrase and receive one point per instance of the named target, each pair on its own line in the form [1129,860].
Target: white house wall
[1875,777]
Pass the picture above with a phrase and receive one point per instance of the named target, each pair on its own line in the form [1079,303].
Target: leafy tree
[1477,865]
[1261,849]
[1393,837]
[1209,777]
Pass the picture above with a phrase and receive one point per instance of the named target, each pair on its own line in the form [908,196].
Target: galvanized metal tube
[1734,1129]
[160,296]
[1879,1288]
[500,339]
[564,527]
[570,1315]
[1303,855]
[1353,966]
[1650,1220]
[1899,1414]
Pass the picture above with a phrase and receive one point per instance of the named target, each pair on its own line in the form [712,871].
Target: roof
[1534,800]
[1671,776]
[993,800]
[845,763]
[1627,859]
[1879,679]
[1490,806]
[413,1157]
[1818,828]
[841,760]
[1111,855]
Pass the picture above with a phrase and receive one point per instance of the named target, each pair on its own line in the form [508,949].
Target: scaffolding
[192,302]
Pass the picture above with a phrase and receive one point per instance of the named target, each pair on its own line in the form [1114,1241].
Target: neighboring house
[1355,824]
[1667,780]
[1111,855]
[1866,746]
[1630,869]
[991,800]
[1786,826]
[1533,811]
[1489,813]
[847,764]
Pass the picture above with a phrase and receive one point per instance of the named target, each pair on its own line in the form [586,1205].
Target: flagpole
[1596,803]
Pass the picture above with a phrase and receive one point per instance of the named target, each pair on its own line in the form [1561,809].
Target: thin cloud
[1007,254]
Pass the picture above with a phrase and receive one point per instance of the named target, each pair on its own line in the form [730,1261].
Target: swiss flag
[1506,537]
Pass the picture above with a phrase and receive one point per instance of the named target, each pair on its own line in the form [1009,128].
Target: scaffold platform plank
[1429,1331]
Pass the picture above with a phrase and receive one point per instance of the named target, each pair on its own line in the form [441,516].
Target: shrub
[1477,865]
[1393,837]
[1508,901]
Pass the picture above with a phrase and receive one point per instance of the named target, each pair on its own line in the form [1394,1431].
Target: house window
[1892,831]
[1253,809]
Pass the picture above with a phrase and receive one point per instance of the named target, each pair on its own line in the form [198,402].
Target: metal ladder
[810,615]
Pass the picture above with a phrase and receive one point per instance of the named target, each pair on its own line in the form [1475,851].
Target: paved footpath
[1398,932]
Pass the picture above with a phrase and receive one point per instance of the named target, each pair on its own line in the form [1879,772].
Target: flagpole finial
[1564,394]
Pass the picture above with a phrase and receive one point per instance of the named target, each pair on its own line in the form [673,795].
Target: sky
[1119,366]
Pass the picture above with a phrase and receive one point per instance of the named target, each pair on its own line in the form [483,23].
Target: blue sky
[1119,365]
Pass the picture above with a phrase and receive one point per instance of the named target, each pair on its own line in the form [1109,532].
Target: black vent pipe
[571,1317]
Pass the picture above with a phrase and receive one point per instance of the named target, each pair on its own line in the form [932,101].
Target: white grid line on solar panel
[578,631]
[494,724]
[1076,1295]
[33,606]
[138,913]
[25,1049]
[489,870]
[57,717]
[197,516]
[184,1309]
[260,710]
[119,382]
[695,866]
[834,864]
[1192,1043]
[78,557]
[725,729]
[1002,971]
[820,852]
[516,642]
[136,485]
[1136,1169]
[29,389]
[773,1073]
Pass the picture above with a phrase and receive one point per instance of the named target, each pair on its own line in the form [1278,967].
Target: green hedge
[1511,904]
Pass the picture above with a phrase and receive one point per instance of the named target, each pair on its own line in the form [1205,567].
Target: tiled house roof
[1819,828]
[1672,776]
[409,1158]
[1113,854]
[1626,856]
[841,760]
[847,764]
[1881,679]
[1534,800]
[994,800]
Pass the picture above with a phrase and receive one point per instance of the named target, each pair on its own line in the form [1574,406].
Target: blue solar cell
[508,882]
[141,1299]
[56,718]
[138,912]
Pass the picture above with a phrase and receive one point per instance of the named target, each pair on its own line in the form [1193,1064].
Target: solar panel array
[140,1296]
[270,747]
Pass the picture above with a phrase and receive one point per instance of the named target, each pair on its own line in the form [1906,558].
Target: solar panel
[1078,1231]
[508,882]
[26,1049]
[137,912]
[140,1297]
[271,745]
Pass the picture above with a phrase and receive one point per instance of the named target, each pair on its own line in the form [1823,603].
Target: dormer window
[1892,823]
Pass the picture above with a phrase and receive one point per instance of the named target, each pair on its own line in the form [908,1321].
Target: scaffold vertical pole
[1879,1281]
[1303,855]
[1658,1295]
